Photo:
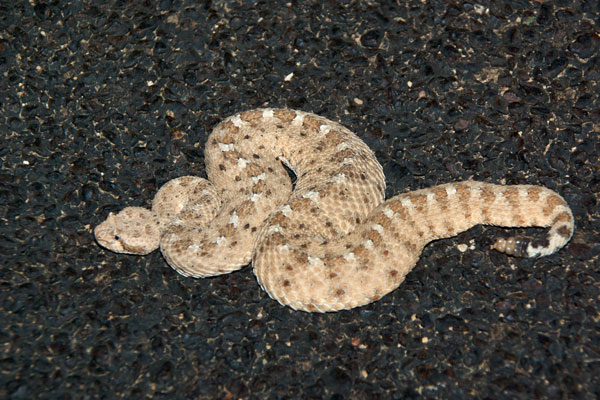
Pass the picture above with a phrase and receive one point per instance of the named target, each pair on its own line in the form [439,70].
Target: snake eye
[117,237]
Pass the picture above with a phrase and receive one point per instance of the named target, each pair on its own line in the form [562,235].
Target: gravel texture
[103,102]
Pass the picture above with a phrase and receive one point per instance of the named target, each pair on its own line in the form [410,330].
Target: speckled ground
[103,102]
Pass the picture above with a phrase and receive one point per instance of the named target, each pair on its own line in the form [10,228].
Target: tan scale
[332,243]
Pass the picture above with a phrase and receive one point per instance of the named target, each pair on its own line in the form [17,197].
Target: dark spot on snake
[564,232]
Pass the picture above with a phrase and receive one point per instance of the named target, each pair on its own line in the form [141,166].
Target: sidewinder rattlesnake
[331,242]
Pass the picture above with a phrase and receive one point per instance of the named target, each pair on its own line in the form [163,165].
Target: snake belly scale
[331,242]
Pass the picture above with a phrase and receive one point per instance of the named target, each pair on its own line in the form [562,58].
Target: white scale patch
[388,212]
[242,162]
[314,196]
[257,178]
[255,196]
[406,203]
[316,261]
[234,220]
[368,244]
[267,114]
[237,121]
[298,119]
[339,179]
[349,257]
[220,240]
[343,146]
[324,129]
[378,228]
[286,210]
[226,147]
[274,229]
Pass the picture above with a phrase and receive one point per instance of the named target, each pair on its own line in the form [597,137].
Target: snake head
[134,230]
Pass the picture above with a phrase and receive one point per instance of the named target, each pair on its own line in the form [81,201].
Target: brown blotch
[276,239]
[398,209]
[312,123]
[332,275]
[375,297]
[285,283]
[551,203]
[361,252]
[253,117]
[372,235]
[511,194]
[441,196]
[464,193]
[534,193]
[341,155]
[485,213]
[227,230]
[301,258]
[393,273]
[412,248]
[563,216]
[284,115]
[339,292]
[487,195]
[382,220]
[419,200]
[564,232]
[310,307]
[246,208]
[222,167]
[333,138]
[298,204]
[227,126]
[279,219]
